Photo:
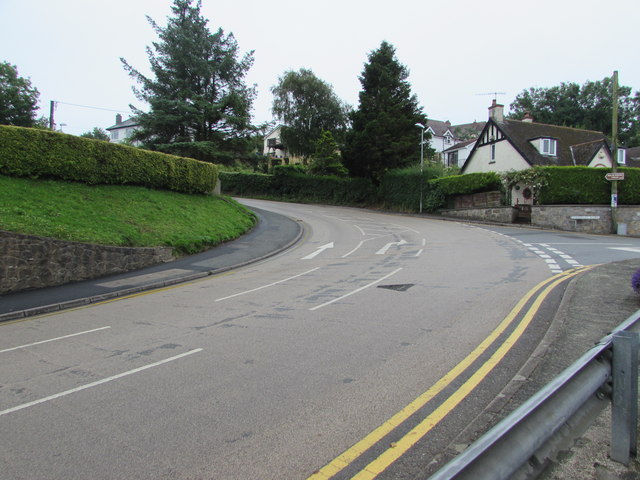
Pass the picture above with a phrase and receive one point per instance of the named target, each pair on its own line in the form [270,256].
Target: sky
[458,52]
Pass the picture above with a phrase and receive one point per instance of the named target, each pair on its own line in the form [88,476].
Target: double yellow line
[397,449]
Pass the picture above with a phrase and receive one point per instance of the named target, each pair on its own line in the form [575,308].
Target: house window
[114,135]
[548,146]
[452,158]
[622,156]
[493,153]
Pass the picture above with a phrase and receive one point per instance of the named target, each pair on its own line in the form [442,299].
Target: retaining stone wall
[571,218]
[489,214]
[28,262]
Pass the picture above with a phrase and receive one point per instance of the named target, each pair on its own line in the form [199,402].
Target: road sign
[615,176]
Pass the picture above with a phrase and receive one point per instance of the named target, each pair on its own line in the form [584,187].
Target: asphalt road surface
[359,353]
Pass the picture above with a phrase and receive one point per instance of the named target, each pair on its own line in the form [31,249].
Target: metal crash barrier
[521,444]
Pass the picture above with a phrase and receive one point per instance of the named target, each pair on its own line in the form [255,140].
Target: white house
[273,146]
[506,145]
[122,131]
[445,136]
[456,156]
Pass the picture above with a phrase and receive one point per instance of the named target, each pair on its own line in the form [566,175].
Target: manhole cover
[398,288]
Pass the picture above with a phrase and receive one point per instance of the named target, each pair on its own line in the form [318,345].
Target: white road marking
[355,291]
[384,249]
[52,339]
[267,286]
[352,251]
[318,251]
[626,249]
[95,384]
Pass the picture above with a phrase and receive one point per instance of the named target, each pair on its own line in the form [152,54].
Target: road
[315,363]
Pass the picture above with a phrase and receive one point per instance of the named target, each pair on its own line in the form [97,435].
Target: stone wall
[489,214]
[28,262]
[571,218]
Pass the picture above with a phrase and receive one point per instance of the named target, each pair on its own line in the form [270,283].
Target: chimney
[496,111]
[527,117]
[118,119]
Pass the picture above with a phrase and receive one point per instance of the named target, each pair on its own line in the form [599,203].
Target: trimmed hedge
[469,183]
[288,185]
[588,186]
[27,152]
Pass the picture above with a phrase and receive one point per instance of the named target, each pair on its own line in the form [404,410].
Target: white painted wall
[507,158]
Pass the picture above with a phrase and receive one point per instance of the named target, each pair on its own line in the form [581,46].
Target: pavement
[594,303]
[272,234]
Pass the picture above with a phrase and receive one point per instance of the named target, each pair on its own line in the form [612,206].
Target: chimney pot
[118,119]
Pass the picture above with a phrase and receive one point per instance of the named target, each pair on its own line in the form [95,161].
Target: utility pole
[614,152]
[52,108]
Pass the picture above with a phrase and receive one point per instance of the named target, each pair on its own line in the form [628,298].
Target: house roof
[126,124]
[439,128]
[474,129]
[633,157]
[461,145]
[574,146]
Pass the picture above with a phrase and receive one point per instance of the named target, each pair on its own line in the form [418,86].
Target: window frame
[549,147]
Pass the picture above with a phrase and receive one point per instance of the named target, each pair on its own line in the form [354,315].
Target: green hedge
[34,153]
[588,186]
[288,185]
[469,183]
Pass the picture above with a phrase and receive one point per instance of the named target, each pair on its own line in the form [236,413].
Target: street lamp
[422,128]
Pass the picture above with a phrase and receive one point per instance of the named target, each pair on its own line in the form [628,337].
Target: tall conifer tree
[199,103]
[383,134]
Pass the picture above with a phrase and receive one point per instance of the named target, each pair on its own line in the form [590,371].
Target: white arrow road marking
[626,249]
[318,251]
[384,249]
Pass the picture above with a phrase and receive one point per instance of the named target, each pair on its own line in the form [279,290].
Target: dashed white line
[52,339]
[95,384]
[266,286]
[355,291]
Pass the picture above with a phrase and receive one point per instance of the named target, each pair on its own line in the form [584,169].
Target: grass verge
[120,215]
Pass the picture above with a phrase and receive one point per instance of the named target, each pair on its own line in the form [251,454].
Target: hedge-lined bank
[289,185]
[27,152]
[399,189]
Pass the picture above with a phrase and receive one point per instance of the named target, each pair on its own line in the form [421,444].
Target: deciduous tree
[588,106]
[307,106]
[97,134]
[18,98]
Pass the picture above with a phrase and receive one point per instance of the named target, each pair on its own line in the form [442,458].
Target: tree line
[200,106]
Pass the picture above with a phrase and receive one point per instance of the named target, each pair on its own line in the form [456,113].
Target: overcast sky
[455,50]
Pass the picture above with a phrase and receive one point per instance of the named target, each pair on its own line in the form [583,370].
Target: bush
[26,152]
[400,188]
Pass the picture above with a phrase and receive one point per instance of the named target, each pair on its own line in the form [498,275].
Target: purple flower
[635,282]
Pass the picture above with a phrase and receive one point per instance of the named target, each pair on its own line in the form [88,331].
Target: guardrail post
[624,407]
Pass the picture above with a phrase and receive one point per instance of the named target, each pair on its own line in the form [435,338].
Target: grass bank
[120,215]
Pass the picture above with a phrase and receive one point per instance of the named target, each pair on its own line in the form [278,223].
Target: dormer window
[549,146]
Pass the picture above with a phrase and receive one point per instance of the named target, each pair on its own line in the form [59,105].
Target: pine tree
[199,103]
[383,134]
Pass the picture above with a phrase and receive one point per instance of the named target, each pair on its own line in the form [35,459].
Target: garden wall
[28,262]
[572,218]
